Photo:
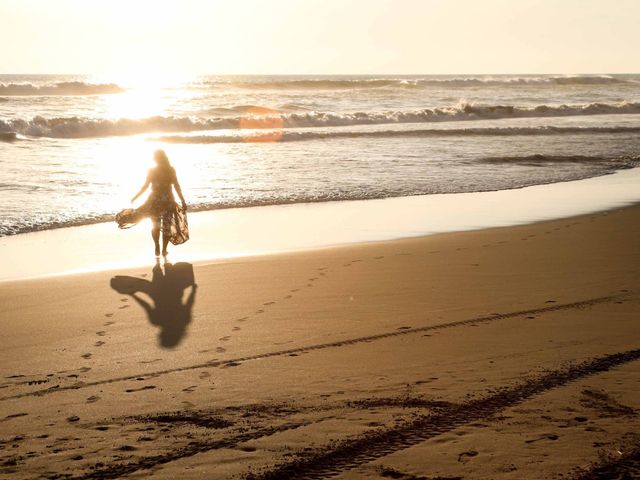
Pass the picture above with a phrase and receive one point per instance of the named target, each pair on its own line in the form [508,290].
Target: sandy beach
[499,353]
[296,240]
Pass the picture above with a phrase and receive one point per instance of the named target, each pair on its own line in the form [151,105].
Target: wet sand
[501,353]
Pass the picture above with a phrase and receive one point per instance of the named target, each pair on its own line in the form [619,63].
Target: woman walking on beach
[166,216]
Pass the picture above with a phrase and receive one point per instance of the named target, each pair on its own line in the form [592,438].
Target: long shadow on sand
[165,290]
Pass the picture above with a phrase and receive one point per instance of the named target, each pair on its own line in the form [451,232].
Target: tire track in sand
[193,448]
[347,454]
[350,453]
[339,343]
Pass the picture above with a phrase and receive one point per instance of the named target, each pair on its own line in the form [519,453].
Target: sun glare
[144,95]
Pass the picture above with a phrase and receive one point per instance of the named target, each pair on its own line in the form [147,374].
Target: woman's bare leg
[165,242]
[165,239]
[155,234]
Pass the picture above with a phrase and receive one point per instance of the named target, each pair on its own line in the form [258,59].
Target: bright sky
[319,36]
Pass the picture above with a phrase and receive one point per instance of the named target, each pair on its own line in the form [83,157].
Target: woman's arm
[142,190]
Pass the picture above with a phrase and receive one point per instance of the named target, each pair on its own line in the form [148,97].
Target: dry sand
[503,353]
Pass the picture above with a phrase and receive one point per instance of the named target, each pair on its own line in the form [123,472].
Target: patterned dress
[160,204]
[161,207]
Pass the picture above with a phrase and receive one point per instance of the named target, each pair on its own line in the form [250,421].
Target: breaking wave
[61,88]
[78,127]
[341,84]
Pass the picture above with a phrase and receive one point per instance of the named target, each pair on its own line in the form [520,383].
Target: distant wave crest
[363,83]
[78,127]
[297,136]
[60,88]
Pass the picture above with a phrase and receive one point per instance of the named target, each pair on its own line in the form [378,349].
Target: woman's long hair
[164,166]
[161,159]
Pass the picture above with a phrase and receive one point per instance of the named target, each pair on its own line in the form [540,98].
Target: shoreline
[263,230]
[203,208]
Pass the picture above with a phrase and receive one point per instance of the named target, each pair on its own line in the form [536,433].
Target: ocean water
[75,149]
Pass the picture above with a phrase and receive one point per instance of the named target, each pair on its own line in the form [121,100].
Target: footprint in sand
[268,303]
[403,328]
[243,319]
[294,290]
[465,456]
[287,297]
[235,329]
[321,268]
[99,343]
[379,258]
[108,314]
[225,338]
[550,301]
[125,299]
[123,306]
[86,355]
[204,375]
[189,389]
[144,362]
[259,311]
[101,333]
[220,349]
[108,324]
[92,399]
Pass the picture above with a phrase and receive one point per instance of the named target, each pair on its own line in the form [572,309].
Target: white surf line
[264,230]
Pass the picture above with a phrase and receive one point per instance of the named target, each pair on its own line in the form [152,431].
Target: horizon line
[338,74]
